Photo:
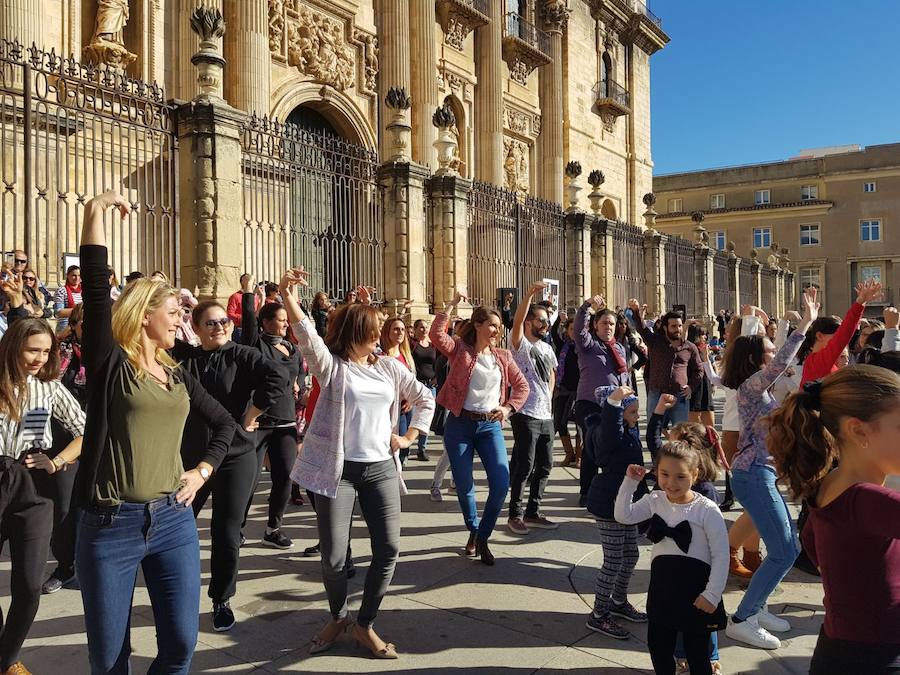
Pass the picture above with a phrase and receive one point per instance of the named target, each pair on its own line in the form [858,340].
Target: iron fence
[679,282]
[311,198]
[513,243]
[69,131]
[428,222]
[611,90]
[722,297]
[746,289]
[534,37]
[767,290]
[628,273]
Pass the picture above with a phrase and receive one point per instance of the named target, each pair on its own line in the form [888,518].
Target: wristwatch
[204,473]
[59,463]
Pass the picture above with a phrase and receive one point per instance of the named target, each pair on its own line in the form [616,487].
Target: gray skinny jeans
[378,489]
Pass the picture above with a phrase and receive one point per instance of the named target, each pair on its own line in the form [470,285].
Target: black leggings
[26,520]
[281,445]
[588,468]
[58,488]
[661,643]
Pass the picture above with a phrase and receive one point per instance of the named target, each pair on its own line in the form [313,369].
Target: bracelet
[59,462]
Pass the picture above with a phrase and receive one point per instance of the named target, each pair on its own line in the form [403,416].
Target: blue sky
[746,81]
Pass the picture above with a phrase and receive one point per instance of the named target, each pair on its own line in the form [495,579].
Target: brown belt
[476,416]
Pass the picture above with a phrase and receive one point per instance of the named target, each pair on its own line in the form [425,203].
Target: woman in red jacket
[475,396]
[828,337]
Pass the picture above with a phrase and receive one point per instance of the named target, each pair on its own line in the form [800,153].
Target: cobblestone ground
[444,612]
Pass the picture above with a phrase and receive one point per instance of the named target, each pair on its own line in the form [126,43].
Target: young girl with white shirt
[689,565]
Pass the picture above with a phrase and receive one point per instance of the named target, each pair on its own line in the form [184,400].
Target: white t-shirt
[537,361]
[484,385]
[368,397]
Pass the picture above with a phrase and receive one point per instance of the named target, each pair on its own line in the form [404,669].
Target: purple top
[755,402]
[598,367]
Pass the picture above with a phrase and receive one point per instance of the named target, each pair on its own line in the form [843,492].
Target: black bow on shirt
[680,534]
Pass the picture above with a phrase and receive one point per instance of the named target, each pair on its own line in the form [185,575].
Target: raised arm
[319,359]
[891,340]
[839,341]
[249,324]
[583,335]
[639,311]
[438,335]
[627,511]
[518,322]
[657,422]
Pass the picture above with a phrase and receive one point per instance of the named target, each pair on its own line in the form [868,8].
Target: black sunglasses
[29,278]
[20,261]
[212,323]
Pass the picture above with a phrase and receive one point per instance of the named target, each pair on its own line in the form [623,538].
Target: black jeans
[588,468]
[26,520]
[58,488]
[532,459]
[281,445]
[661,643]
[231,487]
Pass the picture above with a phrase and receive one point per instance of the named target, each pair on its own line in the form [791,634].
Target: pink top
[855,542]
[462,361]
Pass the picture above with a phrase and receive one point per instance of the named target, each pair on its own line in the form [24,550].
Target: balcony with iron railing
[611,100]
[639,7]
[525,47]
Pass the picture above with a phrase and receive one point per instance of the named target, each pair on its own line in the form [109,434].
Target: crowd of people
[119,424]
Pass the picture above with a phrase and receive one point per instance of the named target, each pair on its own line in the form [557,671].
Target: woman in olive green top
[134,492]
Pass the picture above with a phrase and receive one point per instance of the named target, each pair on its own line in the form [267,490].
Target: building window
[869,272]
[717,239]
[870,187]
[810,235]
[676,205]
[809,277]
[808,192]
[717,201]
[762,197]
[870,230]
[762,237]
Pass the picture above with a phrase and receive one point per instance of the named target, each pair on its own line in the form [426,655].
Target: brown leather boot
[18,668]
[752,560]
[736,566]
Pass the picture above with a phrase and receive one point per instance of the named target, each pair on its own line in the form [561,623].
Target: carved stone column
[72,27]
[601,259]
[704,275]
[248,81]
[734,282]
[449,205]
[188,44]
[424,91]
[403,191]
[392,20]
[578,257]
[489,68]
[779,293]
[555,16]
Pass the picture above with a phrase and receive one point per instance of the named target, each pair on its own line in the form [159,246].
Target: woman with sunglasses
[33,299]
[247,385]
[277,438]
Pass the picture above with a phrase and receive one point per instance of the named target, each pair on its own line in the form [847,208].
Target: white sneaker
[436,495]
[749,632]
[770,622]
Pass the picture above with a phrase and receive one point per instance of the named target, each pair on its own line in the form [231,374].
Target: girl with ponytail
[853,530]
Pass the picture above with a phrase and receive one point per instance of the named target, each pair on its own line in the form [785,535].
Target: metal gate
[69,131]
[513,243]
[679,284]
[722,298]
[311,198]
[768,299]
[745,285]
[629,277]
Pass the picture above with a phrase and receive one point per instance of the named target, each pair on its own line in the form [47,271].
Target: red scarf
[70,299]
[621,367]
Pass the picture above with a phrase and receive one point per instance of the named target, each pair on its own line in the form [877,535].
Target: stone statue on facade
[107,45]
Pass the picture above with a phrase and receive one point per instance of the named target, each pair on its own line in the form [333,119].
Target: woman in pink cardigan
[484,387]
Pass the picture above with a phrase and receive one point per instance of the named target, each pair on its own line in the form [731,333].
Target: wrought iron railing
[642,8]
[679,279]
[768,290]
[746,287]
[311,198]
[611,90]
[512,243]
[518,27]
[629,277]
[69,131]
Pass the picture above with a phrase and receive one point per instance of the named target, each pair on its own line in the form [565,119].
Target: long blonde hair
[403,347]
[140,298]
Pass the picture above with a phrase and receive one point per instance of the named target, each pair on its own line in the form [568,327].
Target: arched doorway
[313,201]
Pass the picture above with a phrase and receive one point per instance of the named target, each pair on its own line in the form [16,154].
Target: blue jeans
[713,646]
[160,537]
[462,439]
[677,414]
[759,495]
[402,427]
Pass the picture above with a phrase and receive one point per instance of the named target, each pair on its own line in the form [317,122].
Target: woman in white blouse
[30,395]
[350,452]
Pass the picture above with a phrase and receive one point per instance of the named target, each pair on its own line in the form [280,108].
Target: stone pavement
[444,612]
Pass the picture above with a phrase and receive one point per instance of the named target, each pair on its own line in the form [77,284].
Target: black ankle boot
[470,549]
[483,552]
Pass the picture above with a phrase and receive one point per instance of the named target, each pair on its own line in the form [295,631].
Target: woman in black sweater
[247,384]
[567,375]
[132,486]
[277,435]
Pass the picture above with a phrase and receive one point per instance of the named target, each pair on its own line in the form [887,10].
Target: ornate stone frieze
[370,58]
[458,18]
[311,42]
[536,125]
[515,166]
[554,14]
[515,121]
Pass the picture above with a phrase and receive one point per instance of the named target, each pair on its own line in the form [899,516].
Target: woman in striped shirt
[30,395]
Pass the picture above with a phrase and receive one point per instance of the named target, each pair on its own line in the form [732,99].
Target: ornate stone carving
[555,15]
[515,121]
[399,127]
[458,18]
[370,58]
[536,125]
[609,121]
[107,45]
[313,43]
[446,144]
[573,184]
[515,166]
[209,25]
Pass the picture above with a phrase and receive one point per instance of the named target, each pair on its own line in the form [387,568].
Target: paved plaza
[445,613]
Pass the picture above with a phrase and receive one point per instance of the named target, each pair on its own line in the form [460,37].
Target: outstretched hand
[638,309]
[868,291]
[293,277]
[665,402]
[636,472]
[460,295]
[113,198]
[14,288]
[810,305]
[620,393]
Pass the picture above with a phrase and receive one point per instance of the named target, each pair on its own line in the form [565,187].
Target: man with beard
[673,366]
[532,426]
